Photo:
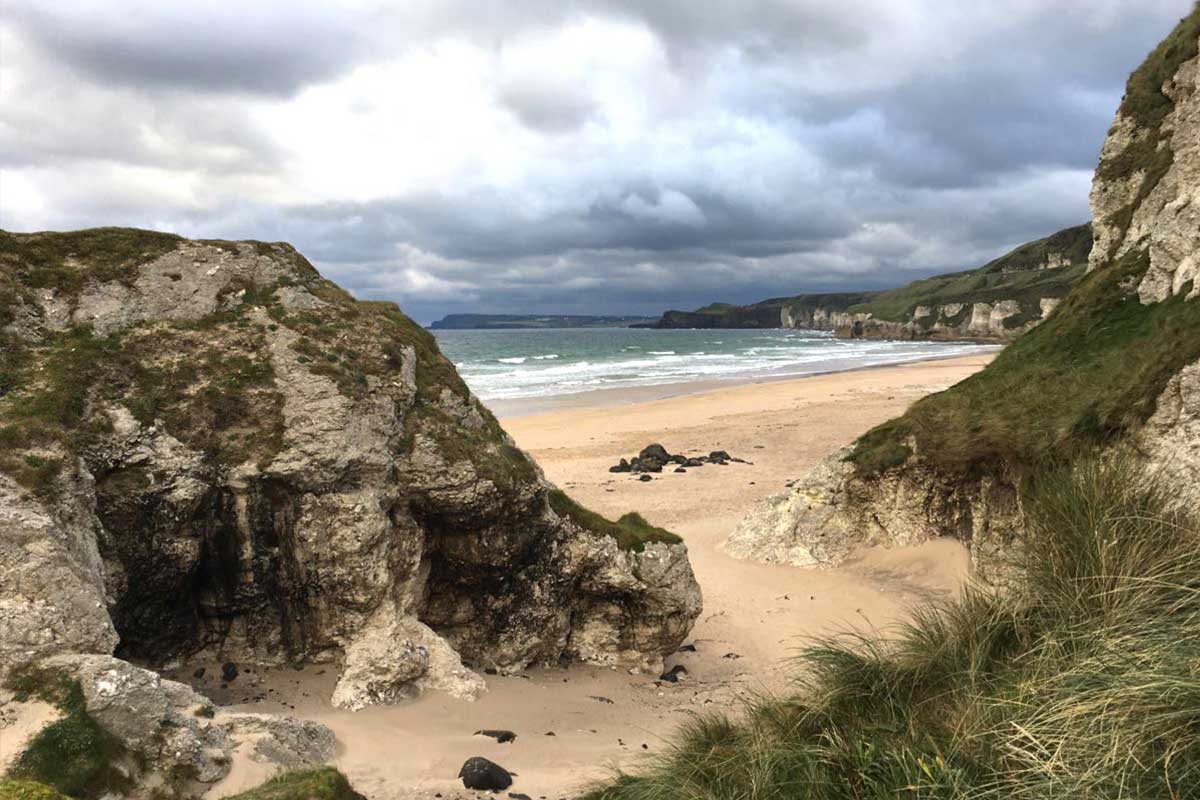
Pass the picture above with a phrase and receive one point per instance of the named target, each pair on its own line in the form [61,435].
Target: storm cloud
[591,156]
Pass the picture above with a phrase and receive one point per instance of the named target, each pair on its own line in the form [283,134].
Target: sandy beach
[577,724]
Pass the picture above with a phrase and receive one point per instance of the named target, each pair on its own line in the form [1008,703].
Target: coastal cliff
[1116,365]
[995,303]
[212,452]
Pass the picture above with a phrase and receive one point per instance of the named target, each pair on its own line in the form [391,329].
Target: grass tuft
[72,755]
[322,783]
[631,531]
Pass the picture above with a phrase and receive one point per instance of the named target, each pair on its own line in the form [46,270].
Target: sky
[559,156]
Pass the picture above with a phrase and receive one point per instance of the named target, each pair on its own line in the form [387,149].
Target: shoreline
[515,407]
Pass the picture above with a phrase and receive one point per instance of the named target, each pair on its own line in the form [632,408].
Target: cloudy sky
[595,156]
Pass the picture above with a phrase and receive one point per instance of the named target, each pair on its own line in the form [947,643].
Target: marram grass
[1081,683]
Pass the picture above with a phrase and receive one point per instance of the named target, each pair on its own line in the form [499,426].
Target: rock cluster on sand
[654,458]
[217,453]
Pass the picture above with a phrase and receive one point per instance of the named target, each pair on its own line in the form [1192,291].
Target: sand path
[576,725]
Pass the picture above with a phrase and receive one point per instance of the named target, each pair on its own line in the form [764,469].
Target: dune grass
[1083,683]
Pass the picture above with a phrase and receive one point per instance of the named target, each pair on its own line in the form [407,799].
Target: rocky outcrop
[168,740]
[832,512]
[212,451]
[952,464]
[1001,321]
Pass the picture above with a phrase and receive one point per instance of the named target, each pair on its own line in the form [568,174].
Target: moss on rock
[323,783]
[631,531]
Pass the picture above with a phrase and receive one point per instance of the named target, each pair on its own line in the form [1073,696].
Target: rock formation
[1118,364]
[210,450]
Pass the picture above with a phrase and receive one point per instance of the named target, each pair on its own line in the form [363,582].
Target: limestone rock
[262,470]
[397,659]
[170,729]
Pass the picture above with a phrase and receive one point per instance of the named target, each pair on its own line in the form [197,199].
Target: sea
[514,365]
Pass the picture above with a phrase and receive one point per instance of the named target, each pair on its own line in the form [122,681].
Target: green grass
[322,783]
[1084,378]
[73,755]
[26,790]
[1084,682]
[1013,276]
[43,259]
[631,531]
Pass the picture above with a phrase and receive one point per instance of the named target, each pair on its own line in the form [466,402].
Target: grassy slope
[1084,377]
[1014,276]
[1085,685]
[1091,372]
[323,783]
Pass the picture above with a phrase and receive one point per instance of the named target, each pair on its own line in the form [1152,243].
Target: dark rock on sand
[693,462]
[680,469]
[672,675]
[229,671]
[654,452]
[623,466]
[501,736]
[645,478]
[481,774]
[687,648]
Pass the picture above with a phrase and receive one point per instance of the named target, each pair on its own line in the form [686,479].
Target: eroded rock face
[830,513]
[260,469]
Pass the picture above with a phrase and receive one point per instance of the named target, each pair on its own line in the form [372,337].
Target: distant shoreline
[508,408]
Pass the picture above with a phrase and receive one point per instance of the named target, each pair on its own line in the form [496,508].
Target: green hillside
[1021,275]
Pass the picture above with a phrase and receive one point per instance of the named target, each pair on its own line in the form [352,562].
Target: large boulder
[210,450]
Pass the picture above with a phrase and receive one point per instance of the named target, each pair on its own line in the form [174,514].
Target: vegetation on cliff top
[1146,106]
[1084,682]
[209,382]
[1021,275]
[631,531]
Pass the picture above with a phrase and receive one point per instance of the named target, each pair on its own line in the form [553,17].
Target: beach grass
[1083,681]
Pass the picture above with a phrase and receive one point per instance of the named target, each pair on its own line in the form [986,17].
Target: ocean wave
[546,357]
[514,360]
[662,352]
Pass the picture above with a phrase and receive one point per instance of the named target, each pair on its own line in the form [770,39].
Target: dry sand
[576,725]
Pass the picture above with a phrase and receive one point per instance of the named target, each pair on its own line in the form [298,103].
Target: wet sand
[576,725]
